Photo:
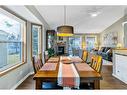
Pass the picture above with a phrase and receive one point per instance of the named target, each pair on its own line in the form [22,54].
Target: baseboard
[16,85]
[119,78]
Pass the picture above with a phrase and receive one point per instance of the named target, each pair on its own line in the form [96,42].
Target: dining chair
[92,59]
[85,55]
[46,56]
[96,64]
[40,57]
[37,64]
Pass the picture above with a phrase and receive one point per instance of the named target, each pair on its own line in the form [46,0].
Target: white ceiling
[79,17]
[24,12]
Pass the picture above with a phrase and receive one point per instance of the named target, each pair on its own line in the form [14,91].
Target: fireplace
[61,50]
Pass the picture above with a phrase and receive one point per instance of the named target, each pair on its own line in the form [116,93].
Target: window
[75,42]
[12,40]
[90,43]
[36,39]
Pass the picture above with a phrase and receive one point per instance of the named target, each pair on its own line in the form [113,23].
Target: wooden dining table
[86,73]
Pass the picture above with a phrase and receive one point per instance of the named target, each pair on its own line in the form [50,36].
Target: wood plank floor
[108,82]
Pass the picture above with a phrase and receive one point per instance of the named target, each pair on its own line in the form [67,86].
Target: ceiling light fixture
[94,14]
[65,30]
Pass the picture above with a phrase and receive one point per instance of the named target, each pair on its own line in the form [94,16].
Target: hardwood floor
[108,82]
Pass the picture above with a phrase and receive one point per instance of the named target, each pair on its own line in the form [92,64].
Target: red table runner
[68,76]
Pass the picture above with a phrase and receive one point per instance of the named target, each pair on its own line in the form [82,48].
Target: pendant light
[65,30]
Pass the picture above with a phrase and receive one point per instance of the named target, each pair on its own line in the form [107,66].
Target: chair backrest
[93,60]
[40,57]
[96,63]
[46,57]
[99,64]
[37,64]
[84,55]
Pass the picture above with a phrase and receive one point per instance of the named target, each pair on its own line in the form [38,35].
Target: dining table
[51,70]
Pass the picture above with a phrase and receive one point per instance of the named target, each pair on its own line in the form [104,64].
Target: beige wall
[116,27]
[125,31]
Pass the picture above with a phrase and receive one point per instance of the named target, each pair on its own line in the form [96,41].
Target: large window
[75,42]
[12,40]
[36,39]
[90,43]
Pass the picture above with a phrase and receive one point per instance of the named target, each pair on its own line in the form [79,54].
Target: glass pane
[74,43]
[10,42]
[10,30]
[10,54]
[35,40]
[14,52]
[90,42]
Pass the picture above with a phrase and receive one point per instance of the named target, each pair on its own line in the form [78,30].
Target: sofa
[106,53]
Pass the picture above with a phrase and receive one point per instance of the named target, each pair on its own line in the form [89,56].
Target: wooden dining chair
[97,63]
[93,59]
[46,57]
[85,55]
[37,64]
[40,57]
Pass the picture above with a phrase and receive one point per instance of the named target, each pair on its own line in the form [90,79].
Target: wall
[125,33]
[114,28]
[125,29]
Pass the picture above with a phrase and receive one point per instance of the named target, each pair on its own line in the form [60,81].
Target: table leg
[38,84]
[97,84]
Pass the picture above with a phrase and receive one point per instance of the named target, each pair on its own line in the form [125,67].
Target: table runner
[67,75]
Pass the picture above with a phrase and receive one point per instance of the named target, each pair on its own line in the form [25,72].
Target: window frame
[16,17]
[40,38]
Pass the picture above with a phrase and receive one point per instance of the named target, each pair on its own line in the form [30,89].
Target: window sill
[10,69]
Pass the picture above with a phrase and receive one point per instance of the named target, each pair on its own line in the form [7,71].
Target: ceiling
[79,17]
[24,12]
